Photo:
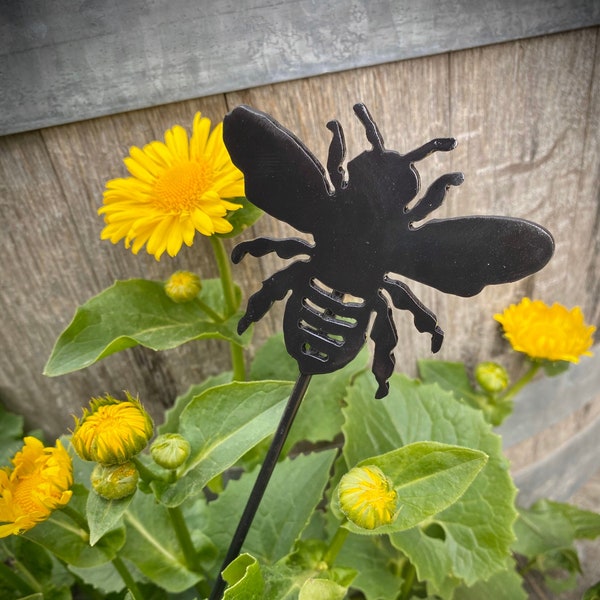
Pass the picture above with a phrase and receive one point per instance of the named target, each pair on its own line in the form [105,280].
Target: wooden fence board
[64,61]
[549,400]
[562,472]
[527,118]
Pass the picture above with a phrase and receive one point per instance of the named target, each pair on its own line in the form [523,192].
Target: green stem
[127,578]
[521,383]
[24,582]
[336,545]
[183,536]
[145,473]
[77,517]
[237,352]
[216,317]
[408,577]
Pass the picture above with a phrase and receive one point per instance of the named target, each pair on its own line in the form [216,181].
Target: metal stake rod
[262,480]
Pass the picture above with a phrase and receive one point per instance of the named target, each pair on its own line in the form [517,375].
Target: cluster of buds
[111,433]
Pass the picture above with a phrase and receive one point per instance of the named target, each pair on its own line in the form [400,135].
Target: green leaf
[250,580]
[450,376]
[69,542]
[138,312]
[504,585]
[377,564]
[556,367]
[242,218]
[471,539]
[272,361]
[453,377]
[319,417]
[321,589]
[171,423]
[548,526]
[21,556]
[545,535]
[295,489]
[428,478]
[104,515]
[221,424]
[244,579]
[105,578]
[152,545]
[592,593]
[11,435]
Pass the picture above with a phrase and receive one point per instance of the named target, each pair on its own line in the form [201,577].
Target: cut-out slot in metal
[336,339]
[314,353]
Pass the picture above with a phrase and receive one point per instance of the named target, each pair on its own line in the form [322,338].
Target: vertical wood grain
[526,115]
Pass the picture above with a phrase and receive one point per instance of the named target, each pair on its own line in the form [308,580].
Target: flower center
[180,188]
[23,495]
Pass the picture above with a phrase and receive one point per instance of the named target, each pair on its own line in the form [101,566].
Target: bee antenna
[371,129]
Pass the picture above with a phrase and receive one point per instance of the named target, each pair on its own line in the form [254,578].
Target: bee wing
[461,256]
[282,177]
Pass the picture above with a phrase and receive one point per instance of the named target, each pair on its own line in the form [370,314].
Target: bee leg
[435,145]
[337,153]
[287,248]
[425,320]
[435,195]
[384,334]
[274,288]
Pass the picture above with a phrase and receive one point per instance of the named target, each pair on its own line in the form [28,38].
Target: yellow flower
[183,286]
[37,485]
[367,497]
[112,431]
[547,332]
[177,188]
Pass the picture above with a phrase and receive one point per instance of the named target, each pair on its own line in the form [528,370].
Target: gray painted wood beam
[67,60]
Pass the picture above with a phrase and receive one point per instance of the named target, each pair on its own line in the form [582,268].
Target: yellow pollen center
[23,495]
[180,188]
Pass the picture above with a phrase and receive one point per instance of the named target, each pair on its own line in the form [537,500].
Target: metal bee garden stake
[363,229]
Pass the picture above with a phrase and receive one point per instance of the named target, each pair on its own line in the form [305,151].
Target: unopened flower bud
[183,286]
[112,431]
[367,497]
[170,450]
[114,482]
[491,376]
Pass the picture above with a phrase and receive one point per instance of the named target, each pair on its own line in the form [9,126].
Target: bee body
[363,229]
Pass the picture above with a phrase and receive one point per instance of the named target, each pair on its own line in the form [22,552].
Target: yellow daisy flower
[552,333]
[112,431]
[177,188]
[367,497]
[37,484]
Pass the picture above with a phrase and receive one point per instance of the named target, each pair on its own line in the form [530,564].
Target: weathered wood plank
[549,400]
[521,111]
[563,471]
[65,61]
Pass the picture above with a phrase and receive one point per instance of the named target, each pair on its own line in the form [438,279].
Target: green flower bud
[114,482]
[170,450]
[183,286]
[491,376]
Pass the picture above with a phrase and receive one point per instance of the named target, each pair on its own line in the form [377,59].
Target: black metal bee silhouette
[364,229]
